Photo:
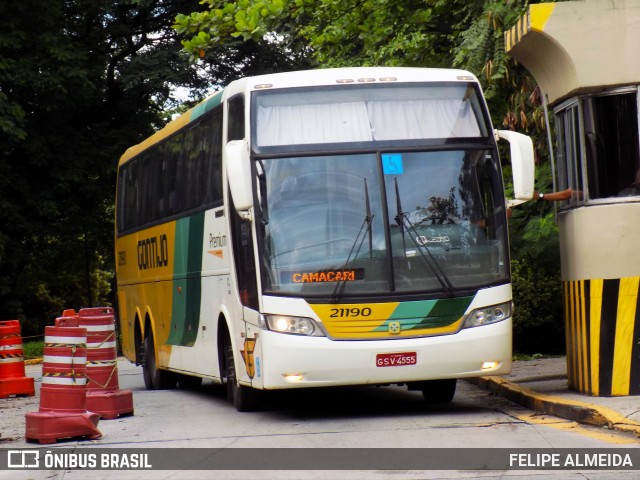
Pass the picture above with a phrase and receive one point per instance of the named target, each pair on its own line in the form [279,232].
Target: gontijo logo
[153,252]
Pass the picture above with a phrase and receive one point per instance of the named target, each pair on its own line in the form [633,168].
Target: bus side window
[236,123]
[243,253]
[240,230]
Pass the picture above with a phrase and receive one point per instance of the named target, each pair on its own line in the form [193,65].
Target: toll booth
[584,57]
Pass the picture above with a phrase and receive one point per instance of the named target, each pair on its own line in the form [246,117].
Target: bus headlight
[291,325]
[488,315]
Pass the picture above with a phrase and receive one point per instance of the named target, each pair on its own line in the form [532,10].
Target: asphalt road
[383,418]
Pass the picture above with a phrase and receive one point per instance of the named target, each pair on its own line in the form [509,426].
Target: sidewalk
[541,385]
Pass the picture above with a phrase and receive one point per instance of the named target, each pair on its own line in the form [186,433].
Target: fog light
[292,377]
[490,366]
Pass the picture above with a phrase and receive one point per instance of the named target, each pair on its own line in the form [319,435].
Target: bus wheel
[154,378]
[245,399]
[438,391]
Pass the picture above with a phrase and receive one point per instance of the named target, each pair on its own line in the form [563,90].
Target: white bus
[321,228]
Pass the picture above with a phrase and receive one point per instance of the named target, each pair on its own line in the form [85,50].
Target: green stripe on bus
[194,281]
[428,313]
[187,284]
[445,312]
[206,105]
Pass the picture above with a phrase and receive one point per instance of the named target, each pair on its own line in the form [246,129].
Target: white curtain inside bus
[365,121]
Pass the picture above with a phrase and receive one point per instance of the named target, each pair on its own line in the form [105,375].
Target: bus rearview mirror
[239,175]
[522,165]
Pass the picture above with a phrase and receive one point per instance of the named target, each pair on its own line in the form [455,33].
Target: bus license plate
[396,359]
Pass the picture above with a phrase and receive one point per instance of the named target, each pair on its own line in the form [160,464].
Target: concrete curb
[580,412]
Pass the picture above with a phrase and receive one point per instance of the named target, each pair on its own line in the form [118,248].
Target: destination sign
[324,276]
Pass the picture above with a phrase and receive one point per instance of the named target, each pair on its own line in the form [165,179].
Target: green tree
[79,83]
[333,33]
[435,33]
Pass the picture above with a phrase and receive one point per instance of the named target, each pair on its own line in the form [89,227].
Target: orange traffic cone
[63,395]
[103,395]
[13,380]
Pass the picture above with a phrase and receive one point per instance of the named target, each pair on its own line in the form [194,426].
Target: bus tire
[154,378]
[245,399]
[438,391]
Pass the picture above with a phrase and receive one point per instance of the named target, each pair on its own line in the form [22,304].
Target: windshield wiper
[403,222]
[369,218]
[338,291]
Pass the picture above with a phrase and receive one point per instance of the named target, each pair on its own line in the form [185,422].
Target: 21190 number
[350,312]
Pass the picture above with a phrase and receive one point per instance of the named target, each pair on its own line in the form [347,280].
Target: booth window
[598,135]
[568,131]
[611,137]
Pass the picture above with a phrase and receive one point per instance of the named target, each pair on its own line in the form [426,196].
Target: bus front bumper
[291,361]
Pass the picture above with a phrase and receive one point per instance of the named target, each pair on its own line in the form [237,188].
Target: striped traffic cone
[13,380]
[103,394]
[63,395]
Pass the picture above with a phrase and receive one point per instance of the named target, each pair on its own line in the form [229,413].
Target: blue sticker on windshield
[392,164]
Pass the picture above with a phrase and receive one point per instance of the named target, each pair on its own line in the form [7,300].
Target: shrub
[538,314]
[33,349]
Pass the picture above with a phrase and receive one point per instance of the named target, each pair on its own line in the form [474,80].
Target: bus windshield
[382,223]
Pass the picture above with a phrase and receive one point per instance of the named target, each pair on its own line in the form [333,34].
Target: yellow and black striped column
[602,319]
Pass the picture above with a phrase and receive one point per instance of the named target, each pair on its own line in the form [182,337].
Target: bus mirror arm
[239,176]
[522,164]
[514,203]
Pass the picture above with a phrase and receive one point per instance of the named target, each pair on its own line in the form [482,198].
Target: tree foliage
[330,33]
[79,83]
[333,33]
